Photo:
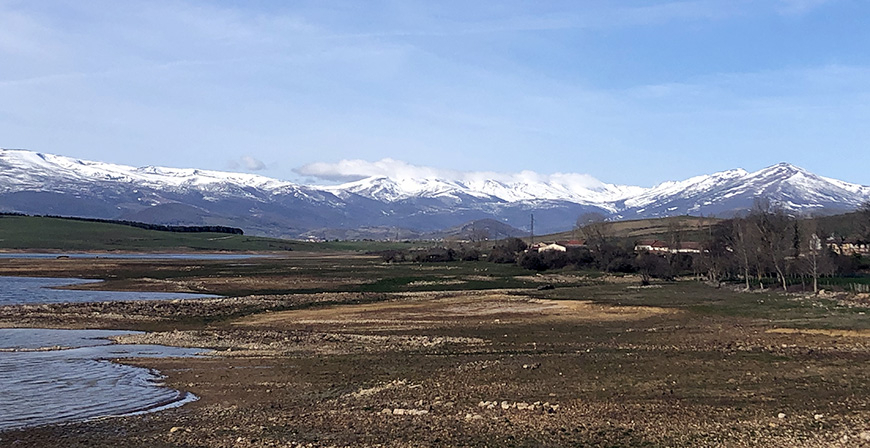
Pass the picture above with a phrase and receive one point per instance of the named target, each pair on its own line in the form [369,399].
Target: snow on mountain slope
[792,188]
[688,188]
[796,188]
[26,169]
[391,190]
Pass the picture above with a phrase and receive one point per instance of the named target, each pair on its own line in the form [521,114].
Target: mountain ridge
[39,183]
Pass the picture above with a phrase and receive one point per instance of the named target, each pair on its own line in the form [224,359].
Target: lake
[32,290]
[56,376]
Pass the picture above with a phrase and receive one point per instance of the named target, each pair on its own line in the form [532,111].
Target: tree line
[142,225]
[760,249]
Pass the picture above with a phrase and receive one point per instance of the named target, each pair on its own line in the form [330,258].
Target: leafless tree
[593,227]
[775,232]
[812,250]
[740,241]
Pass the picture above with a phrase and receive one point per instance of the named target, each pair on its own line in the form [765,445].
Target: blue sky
[630,92]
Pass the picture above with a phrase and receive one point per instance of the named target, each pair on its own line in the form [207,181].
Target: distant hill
[478,230]
[690,226]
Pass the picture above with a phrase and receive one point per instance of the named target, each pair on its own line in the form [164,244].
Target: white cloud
[247,163]
[351,170]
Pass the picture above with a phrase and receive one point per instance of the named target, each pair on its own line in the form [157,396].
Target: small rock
[780,415]
[865,436]
[818,416]
[175,429]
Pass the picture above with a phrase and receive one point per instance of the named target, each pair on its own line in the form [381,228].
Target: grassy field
[57,234]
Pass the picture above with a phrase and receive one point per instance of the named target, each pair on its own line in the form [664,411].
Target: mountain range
[382,207]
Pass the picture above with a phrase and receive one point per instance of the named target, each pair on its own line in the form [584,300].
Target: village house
[661,247]
[558,246]
[572,244]
[848,246]
[552,246]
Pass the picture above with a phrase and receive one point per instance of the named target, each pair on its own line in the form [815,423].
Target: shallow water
[29,290]
[42,383]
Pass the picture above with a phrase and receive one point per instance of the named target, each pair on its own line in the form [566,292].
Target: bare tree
[717,254]
[593,227]
[739,240]
[811,251]
[775,231]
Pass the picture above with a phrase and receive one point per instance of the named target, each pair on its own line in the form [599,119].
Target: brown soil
[428,311]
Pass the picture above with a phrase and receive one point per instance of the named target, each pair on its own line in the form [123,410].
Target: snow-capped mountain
[561,189]
[792,188]
[38,183]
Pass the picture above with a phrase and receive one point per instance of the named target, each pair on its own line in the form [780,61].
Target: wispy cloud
[801,6]
[22,35]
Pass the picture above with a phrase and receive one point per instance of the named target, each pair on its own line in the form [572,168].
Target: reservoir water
[31,290]
[58,376]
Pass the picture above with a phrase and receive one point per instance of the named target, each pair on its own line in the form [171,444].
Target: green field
[58,234]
